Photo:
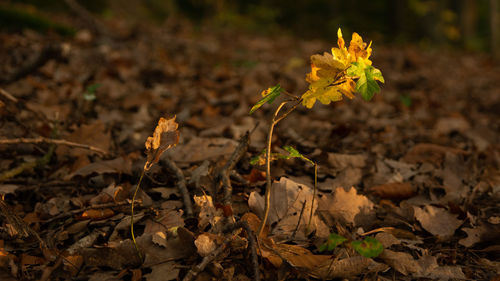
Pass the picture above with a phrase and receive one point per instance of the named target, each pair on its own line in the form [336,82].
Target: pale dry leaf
[346,268]
[207,243]
[345,206]
[209,215]
[437,221]
[424,267]
[164,137]
[159,238]
[288,198]
[402,262]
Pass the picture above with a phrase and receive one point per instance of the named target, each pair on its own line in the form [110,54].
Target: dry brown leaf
[163,272]
[287,201]
[209,215]
[345,268]
[437,221]
[94,134]
[428,152]
[200,149]
[207,243]
[424,267]
[394,190]
[164,137]
[347,207]
[120,165]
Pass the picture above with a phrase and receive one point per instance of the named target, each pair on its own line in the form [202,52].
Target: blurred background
[464,24]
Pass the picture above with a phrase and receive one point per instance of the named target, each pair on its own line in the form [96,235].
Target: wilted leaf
[369,247]
[164,137]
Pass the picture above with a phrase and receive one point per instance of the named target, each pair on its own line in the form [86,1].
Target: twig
[314,196]
[53,141]
[300,218]
[225,172]
[8,96]
[181,184]
[251,243]
[132,215]
[206,261]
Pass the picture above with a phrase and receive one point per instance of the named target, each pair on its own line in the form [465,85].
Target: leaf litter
[421,177]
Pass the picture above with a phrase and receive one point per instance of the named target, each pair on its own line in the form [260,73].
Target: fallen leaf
[207,243]
[424,267]
[345,268]
[288,198]
[437,221]
[120,165]
[428,152]
[164,137]
[163,272]
[209,215]
[347,206]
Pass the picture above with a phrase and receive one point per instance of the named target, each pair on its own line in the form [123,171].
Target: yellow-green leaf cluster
[329,80]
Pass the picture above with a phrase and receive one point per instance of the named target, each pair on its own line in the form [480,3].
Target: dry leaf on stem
[164,137]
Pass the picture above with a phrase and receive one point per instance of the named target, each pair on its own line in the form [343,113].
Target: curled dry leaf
[164,137]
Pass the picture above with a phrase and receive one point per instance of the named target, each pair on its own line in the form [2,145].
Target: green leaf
[367,79]
[294,153]
[369,247]
[333,241]
[269,96]
[89,94]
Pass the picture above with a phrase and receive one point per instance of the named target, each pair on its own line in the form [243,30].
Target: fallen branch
[181,184]
[53,141]
[8,96]
[225,172]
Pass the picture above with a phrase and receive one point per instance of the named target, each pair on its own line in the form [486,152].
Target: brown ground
[423,159]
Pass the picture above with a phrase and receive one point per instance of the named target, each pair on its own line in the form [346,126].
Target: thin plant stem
[274,121]
[132,215]
[314,196]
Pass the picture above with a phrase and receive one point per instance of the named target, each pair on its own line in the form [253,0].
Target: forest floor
[417,168]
